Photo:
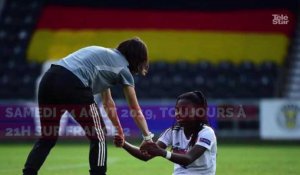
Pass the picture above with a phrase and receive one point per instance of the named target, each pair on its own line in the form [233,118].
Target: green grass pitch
[240,159]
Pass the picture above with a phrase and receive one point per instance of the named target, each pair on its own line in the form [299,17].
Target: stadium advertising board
[21,121]
[280,119]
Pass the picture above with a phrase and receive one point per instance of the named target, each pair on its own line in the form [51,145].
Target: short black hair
[136,53]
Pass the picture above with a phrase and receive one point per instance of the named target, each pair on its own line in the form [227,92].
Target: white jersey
[205,164]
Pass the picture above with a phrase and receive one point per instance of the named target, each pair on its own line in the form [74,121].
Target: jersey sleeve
[126,77]
[166,137]
[206,138]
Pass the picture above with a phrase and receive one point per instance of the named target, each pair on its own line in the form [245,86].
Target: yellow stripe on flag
[166,45]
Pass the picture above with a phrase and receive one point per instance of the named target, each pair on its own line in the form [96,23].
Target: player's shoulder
[94,48]
[117,57]
[167,131]
[98,50]
[112,52]
[207,130]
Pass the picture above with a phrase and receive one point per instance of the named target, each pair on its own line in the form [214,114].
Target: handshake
[147,148]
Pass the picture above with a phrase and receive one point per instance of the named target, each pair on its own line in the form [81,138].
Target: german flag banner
[256,35]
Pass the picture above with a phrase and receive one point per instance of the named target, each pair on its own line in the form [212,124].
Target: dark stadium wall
[171,35]
[203,5]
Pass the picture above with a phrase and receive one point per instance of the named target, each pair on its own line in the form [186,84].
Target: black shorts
[61,86]
[60,91]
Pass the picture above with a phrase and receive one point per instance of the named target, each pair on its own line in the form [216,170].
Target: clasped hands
[147,148]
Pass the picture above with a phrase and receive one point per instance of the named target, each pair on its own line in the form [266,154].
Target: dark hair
[135,52]
[197,98]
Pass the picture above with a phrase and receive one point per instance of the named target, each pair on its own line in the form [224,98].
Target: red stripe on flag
[58,17]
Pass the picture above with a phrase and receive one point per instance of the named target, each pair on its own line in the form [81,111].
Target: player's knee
[96,141]
[47,142]
[96,138]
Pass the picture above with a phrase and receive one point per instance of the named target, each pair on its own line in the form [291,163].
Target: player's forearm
[110,109]
[111,112]
[181,159]
[135,151]
[136,110]
[140,121]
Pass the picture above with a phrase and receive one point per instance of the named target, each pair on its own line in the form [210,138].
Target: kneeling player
[193,143]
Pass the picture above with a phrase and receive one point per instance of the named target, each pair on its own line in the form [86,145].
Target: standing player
[69,85]
[193,142]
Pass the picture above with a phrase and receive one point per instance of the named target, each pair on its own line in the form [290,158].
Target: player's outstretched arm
[110,109]
[134,150]
[182,159]
[135,110]
[131,149]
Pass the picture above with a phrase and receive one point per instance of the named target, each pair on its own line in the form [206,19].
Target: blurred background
[244,55]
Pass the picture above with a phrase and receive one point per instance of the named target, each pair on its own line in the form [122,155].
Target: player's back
[97,67]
